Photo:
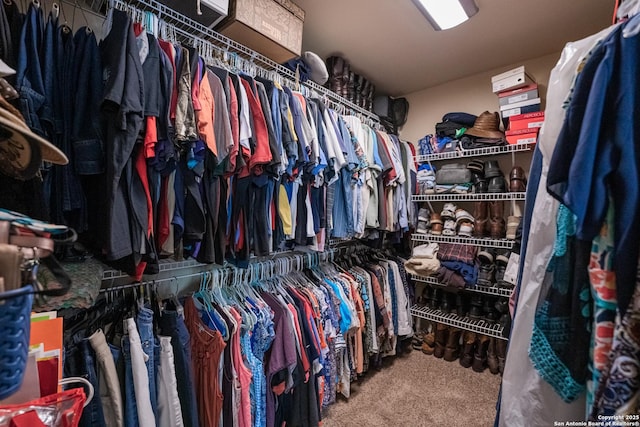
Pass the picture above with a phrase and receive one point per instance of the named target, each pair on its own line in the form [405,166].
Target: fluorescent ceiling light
[445,14]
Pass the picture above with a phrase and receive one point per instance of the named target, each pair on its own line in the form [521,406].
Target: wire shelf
[457,240]
[475,152]
[488,290]
[478,326]
[467,197]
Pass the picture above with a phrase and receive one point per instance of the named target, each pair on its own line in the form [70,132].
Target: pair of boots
[349,85]
[446,342]
[489,218]
[480,351]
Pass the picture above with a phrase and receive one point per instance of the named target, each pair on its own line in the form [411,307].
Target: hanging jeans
[140,377]
[172,324]
[110,393]
[80,362]
[169,410]
[149,347]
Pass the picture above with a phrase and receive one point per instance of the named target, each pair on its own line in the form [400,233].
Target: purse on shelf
[453,173]
[25,245]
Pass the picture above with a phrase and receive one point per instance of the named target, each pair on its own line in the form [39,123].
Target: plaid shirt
[462,253]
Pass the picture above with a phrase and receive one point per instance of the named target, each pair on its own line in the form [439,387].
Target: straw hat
[487,125]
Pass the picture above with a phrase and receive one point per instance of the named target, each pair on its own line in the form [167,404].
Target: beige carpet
[418,390]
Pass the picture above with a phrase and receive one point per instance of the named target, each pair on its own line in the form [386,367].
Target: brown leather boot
[481,216]
[501,353]
[335,64]
[480,353]
[442,333]
[492,359]
[468,345]
[497,228]
[428,343]
[346,71]
[452,349]
[351,87]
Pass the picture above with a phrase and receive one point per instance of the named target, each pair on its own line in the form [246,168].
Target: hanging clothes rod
[190,29]
[278,265]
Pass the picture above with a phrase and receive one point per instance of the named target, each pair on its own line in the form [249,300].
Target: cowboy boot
[335,64]
[357,92]
[428,343]
[366,88]
[351,86]
[461,305]
[480,354]
[497,228]
[441,335]
[481,216]
[345,79]
[492,358]
[372,94]
[468,345]
[452,349]
[501,353]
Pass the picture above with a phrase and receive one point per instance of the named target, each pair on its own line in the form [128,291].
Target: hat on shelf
[487,125]
[317,68]
[21,150]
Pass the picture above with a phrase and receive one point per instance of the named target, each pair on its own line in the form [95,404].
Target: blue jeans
[130,407]
[151,349]
[80,362]
[172,325]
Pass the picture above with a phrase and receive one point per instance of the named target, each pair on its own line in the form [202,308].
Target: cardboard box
[524,103]
[511,79]
[270,27]
[526,121]
[514,111]
[518,95]
[522,136]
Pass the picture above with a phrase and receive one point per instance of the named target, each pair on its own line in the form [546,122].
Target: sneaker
[449,211]
[424,214]
[449,228]
[422,227]
[465,229]
[512,226]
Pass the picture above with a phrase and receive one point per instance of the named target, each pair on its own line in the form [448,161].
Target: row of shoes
[493,265]
[473,350]
[487,177]
[346,83]
[451,221]
[474,306]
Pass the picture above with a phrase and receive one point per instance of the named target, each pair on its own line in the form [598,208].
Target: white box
[511,79]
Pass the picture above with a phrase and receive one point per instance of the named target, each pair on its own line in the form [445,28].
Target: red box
[522,136]
[523,89]
[526,121]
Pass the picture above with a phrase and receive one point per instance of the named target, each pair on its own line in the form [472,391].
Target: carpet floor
[418,390]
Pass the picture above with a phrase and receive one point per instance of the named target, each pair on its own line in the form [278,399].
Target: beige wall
[471,95]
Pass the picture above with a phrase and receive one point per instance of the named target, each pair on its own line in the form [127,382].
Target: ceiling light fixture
[445,14]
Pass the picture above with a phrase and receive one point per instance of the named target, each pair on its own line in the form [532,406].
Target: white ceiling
[393,45]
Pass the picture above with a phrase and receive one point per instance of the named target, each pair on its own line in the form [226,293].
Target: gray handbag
[453,173]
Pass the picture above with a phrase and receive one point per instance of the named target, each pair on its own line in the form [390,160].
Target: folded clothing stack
[458,267]
[424,261]
[426,179]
